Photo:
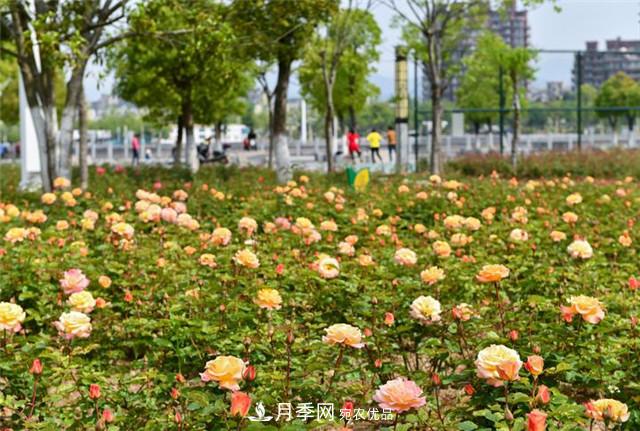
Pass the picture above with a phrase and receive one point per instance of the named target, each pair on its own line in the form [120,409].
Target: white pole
[303,122]
[29,151]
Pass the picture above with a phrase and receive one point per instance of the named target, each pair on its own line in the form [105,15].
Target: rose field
[225,301]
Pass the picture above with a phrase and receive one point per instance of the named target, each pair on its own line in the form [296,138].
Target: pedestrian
[135,149]
[391,142]
[252,140]
[374,139]
[353,144]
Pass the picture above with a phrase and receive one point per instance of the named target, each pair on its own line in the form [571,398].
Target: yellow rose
[221,236]
[104,281]
[365,260]
[328,225]
[419,228]
[11,317]
[269,299]
[625,239]
[246,258]
[73,324]
[608,409]
[123,229]
[492,273]
[518,235]
[48,198]
[460,239]
[580,249]
[574,199]
[472,223]
[82,301]
[62,225]
[557,236]
[226,370]
[432,275]
[61,183]
[441,248]
[303,223]
[492,359]
[248,225]
[208,259]
[588,307]
[570,217]
[328,267]
[15,234]
[426,309]
[341,333]
[405,257]
[488,213]
[383,230]
[453,222]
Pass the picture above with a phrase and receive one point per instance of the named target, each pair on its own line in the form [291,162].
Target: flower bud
[94,391]
[36,367]
[107,415]
[249,373]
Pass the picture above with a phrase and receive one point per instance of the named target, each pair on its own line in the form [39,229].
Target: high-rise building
[511,25]
[598,66]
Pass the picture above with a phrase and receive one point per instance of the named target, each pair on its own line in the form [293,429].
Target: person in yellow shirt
[374,138]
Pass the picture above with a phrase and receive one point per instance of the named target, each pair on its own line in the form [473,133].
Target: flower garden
[159,302]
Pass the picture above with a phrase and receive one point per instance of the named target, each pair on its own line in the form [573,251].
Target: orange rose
[492,273]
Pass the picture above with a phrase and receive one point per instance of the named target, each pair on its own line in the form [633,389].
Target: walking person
[354,147]
[374,139]
[391,142]
[135,149]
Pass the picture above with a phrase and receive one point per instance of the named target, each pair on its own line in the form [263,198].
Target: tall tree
[189,71]
[50,35]
[344,51]
[435,30]
[479,85]
[618,92]
[278,31]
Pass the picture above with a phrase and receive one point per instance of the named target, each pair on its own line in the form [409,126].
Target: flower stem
[33,398]
[336,366]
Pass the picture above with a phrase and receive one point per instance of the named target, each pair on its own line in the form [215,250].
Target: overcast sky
[577,22]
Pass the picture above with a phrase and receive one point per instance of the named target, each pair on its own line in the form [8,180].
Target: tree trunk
[270,113]
[50,140]
[218,137]
[192,155]
[329,131]
[516,124]
[352,117]
[283,159]
[436,130]
[83,148]
[65,137]
[177,156]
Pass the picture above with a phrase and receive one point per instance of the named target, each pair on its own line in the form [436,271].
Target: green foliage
[617,92]
[189,62]
[352,88]
[599,164]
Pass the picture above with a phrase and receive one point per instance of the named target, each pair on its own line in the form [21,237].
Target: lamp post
[402,110]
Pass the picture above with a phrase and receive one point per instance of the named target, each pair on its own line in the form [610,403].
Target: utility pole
[501,113]
[416,125]
[579,97]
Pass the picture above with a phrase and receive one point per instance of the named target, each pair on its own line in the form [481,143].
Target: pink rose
[74,281]
[399,395]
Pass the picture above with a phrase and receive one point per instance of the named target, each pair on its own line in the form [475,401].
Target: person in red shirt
[354,146]
[135,149]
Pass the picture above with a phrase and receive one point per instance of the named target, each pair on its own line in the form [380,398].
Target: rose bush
[158,301]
